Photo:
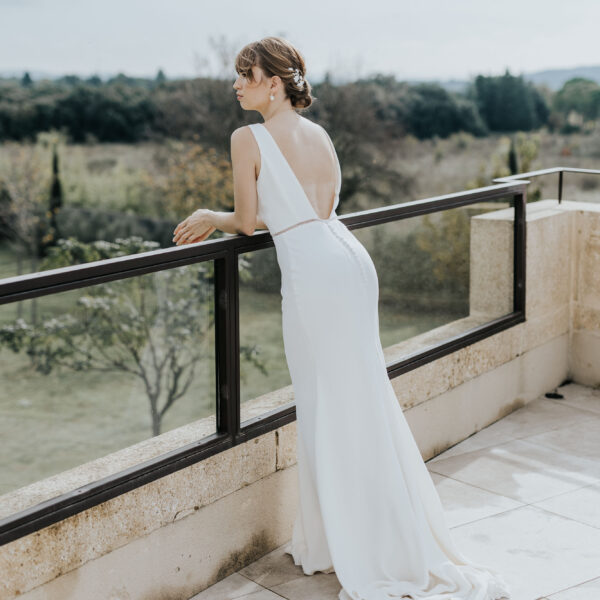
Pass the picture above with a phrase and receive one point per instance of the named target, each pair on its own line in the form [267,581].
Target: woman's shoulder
[312,124]
[318,130]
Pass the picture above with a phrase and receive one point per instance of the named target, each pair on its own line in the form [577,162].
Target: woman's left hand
[196,228]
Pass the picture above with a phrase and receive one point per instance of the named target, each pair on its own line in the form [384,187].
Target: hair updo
[277,56]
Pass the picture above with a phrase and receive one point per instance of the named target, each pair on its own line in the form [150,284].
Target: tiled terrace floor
[522,495]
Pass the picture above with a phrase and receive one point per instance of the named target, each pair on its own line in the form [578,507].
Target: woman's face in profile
[251,93]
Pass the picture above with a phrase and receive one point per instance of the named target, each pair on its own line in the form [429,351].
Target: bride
[368,509]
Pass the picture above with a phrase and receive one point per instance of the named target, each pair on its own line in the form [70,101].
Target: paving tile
[538,416]
[581,439]
[538,553]
[273,569]
[486,438]
[584,591]
[233,587]
[263,595]
[580,396]
[464,503]
[320,586]
[520,470]
[581,505]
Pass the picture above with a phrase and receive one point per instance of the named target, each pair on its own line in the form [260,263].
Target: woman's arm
[219,220]
[243,219]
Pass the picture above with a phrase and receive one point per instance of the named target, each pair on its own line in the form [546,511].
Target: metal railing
[224,252]
[560,170]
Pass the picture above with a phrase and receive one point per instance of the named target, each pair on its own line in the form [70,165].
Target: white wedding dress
[368,508]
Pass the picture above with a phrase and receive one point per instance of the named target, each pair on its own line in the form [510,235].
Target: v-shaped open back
[295,177]
[282,200]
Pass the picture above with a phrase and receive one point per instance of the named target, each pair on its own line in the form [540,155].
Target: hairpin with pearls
[298,79]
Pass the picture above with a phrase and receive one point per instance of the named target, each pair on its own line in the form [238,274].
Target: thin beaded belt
[302,223]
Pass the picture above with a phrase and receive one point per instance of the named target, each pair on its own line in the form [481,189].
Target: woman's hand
[196,228]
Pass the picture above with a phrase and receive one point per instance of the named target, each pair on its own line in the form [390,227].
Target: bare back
[307,150]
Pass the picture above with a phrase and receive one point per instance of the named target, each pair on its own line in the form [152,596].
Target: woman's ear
[277,81]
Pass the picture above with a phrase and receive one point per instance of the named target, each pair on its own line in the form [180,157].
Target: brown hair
[275,56]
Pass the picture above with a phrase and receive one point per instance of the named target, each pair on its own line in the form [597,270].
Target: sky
[430,39]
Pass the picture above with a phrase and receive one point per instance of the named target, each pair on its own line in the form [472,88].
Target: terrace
[521,494]
[205,509]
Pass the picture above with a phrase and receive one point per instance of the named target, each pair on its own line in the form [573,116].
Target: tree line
[126,109]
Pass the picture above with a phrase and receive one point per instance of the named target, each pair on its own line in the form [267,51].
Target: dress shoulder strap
[260,136]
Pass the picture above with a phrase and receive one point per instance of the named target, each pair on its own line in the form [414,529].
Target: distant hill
[553,78]
[37,75]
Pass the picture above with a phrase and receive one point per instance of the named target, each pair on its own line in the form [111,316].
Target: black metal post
[227,344]
[560,186]
[519,252]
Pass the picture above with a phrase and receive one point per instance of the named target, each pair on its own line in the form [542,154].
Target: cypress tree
[512,158]
[56,194]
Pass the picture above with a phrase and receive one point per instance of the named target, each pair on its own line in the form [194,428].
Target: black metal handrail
[224,252]
[560,170]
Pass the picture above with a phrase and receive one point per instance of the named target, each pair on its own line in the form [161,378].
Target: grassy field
[461,161]
[120,176]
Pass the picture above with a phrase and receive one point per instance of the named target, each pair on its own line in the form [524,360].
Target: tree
[94,80]
[70,80]
[56,195]
[508,103]
[24,217]
[119,111]
[354,115]
[527,147]
[160,77]
[580,95]
[154,327]
[446,239]
[432,110]
[196,176]
[512,158]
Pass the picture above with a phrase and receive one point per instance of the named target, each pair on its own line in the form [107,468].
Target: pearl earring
[272,97]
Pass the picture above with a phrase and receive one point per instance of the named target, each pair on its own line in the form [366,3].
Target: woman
[368,509]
